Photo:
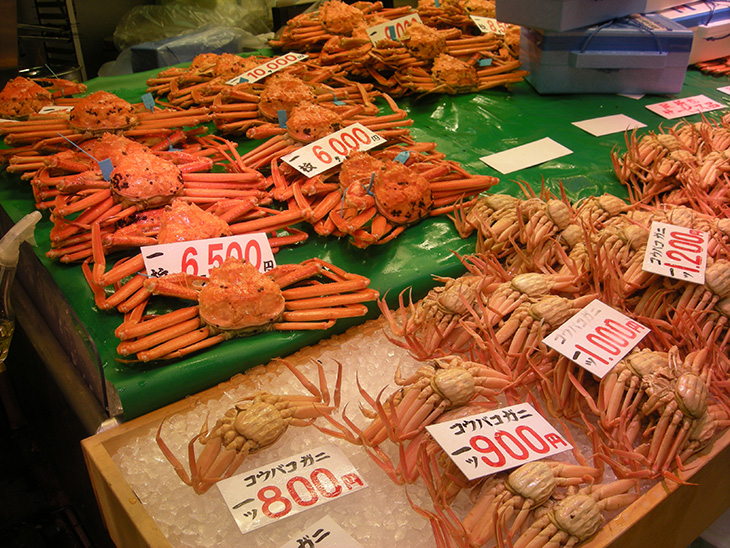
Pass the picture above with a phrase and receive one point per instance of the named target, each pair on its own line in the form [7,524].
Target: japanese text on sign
[676,252]
[597,337]
[332,150]
[197,257]
[685,106]
[392,30]
[489,24]
[287,487]
[487,443]
[264,70]
[323,534]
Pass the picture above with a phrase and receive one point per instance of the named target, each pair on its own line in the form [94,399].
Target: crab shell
[145,180]
[577,515]
[183,221]
[102,111]
[283,92]
[21,97]
[309,122]
[340,18]
[453,72]
[403,195]
[534,481]
[424,42]
[237,297]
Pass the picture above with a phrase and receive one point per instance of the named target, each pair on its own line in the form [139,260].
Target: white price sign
[197,257]
[287,487]
[392,30]
[496,440]
[676,252]
[326,533]
[332,150]
[685,106]
[50,109]
[265,69]
[489,24]
[597,337]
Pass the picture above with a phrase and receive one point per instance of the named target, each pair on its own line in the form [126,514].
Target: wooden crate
[668,515]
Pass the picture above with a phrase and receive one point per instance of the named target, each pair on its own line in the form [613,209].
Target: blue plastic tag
[436,3]
[106,168]
[485,62]
[338,102]
[402,157]
[391,31]
[282,118]
[148,101]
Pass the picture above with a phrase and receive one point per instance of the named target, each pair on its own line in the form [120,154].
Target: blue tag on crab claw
[282,118]
[148,101]
[485,62]
[106,168]
[402,157]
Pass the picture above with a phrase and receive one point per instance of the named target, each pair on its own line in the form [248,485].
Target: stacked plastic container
[600,46]
[710,23]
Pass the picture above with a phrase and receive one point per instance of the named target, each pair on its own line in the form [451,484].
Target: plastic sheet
[465,128]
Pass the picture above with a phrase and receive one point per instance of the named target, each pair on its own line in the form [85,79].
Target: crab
[22,97]
[98,113]
[251,425]
[238,300]
[375,198]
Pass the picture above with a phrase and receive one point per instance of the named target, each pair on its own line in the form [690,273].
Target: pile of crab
[435,49]
[686,164]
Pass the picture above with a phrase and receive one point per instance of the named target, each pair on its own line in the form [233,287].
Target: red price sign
[676,252]
[489,442]
[597,337]
[285,488]
[392,30]
[489,24]
[332,150]
[264,70]
[197,257]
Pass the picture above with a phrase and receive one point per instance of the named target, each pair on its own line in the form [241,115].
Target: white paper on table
[525,156]
[634,96]
[724,89]
[326,533]
[605,125]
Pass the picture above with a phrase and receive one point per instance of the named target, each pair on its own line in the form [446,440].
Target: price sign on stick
[496,440]
[676,252]
[332,150]
[489,24]
[281,489]
[265,69]
[197,257]
[392,30]
[597,337]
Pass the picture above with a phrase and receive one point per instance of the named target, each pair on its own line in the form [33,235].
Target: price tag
[50,109]
[676,252]
[597,337]
[332,150]
[197,257]
[497,440]
[685,107]
[326,533]
[270,67]
[392,30]
[148,101]
[489,24]
[285,488]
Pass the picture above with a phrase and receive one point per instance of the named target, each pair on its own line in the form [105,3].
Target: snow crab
[375,198]
[22,97]
[251,425]
[95,114]
[237,300]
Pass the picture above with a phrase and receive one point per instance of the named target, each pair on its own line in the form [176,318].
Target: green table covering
[465,128]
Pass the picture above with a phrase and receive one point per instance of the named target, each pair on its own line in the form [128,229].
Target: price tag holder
[676,252]
[685,107]
[50,109]
[287,487]
[497,440]
[489,25]
[597,337]
[392,30]
[326,533]
[332,150]
[197,257]
[268,68]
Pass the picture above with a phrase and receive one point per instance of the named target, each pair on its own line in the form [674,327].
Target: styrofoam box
[710,23]
[635,54]
[560,15]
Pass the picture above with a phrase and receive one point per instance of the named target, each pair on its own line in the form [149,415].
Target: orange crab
[237,300]
[22,97]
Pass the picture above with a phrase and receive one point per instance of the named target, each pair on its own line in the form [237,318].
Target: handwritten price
[270,67]
[489,24]
[525,444]
[393,30]
[332,150]
[304,492]
[677,252]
